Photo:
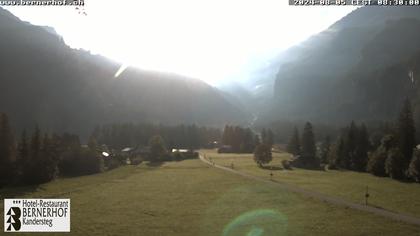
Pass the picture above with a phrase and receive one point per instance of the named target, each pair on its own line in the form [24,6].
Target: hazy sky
[209,39]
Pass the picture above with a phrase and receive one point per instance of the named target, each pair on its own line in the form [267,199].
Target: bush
[179,156]
[225,149]
[414,167]
[394,164]
[136,161]
[286,165]
[332,166]
[376,162]
[79,161]
[112,162]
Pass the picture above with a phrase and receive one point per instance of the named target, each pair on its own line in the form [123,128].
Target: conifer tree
[394,164]
[7,151]
[47,163]
[406,133]
[293,146]
[32,164]
[23,153]
[308,156]
[362,148]
[349,161]
[157,148]
[325,149]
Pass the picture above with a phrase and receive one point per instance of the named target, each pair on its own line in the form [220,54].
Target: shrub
[79,161]
[414,168]
[112,162]
[332,166]
[376,162]
[179,156]
[394,164]
[286,165]
[136,161]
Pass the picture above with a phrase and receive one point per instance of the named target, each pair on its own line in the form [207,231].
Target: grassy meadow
[384,192]
[190,198]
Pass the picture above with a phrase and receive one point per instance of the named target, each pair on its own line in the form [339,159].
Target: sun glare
[211,40]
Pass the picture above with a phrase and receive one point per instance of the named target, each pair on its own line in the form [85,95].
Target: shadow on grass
[154,164]
[13,192]
[272,167]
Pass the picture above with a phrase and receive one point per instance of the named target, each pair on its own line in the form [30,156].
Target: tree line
[119,136]
[388,150]
[40,157]
[243,140]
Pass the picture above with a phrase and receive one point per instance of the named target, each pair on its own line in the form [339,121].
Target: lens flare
[262,222]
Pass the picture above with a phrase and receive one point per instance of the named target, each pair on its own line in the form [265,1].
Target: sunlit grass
[190,198]
[384,192]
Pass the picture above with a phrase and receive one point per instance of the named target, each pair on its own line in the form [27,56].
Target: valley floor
[191,198]
[385,193]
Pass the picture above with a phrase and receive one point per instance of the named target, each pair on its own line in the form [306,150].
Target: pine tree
[325,149]
[7,151]
[157,148]
[293,146]
[224,135]
[350,146]
[308,156]
[362,147]
[23,154]
[406,133]
[47,165]
[394,164]
[32,165]
[247,145]
[341,153]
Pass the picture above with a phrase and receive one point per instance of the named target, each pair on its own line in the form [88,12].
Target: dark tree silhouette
[262,154]
[7,151]
[293,146]
[308,155]
[157,149]
[406,133]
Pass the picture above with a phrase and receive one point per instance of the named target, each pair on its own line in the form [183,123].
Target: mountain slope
[328,76]
[62,89]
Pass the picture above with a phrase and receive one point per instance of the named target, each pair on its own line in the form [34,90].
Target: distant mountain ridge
[333,75]
[46,82]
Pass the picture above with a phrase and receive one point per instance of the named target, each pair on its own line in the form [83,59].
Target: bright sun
[212,40]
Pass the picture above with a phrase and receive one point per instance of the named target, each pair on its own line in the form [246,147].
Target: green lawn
[384,192]
[190,198]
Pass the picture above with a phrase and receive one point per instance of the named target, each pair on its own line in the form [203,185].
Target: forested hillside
[360,68]
[44,81]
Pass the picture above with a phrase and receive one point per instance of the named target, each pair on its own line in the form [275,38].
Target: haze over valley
[213,118]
